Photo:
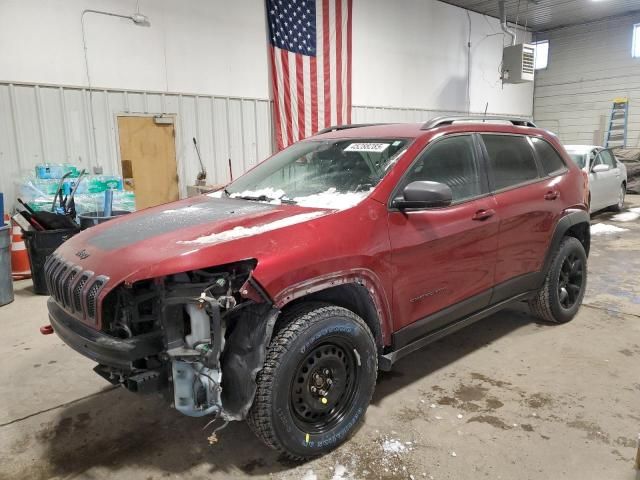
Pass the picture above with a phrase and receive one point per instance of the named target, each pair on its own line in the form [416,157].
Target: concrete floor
[506,398]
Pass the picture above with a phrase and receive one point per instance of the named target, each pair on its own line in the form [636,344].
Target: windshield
[325,174]
[579,159]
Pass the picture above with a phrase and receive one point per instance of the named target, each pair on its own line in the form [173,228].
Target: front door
[443,257]
[604,186]
[148,155]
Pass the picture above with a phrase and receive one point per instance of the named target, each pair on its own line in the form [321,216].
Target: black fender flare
[243,357]
[568,221]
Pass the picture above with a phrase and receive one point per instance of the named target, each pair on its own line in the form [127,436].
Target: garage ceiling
[543,15]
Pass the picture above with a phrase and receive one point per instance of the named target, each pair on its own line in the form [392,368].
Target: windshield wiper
[264,198]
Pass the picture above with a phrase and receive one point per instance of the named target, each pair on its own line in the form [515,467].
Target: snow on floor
[604,229]
[309,475]
[393,446]
[340,473]
[626,217]
[240,232]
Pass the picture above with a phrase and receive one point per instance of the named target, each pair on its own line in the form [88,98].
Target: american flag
[310,66]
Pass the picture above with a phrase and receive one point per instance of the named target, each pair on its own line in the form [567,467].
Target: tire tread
[540,305]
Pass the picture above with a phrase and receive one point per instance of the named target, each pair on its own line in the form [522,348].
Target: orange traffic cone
[20,268]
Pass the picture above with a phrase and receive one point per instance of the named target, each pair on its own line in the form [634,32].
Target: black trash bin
[41,244]
[90,219]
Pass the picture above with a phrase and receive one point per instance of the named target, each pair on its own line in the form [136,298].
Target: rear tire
[317,382]
[560,297]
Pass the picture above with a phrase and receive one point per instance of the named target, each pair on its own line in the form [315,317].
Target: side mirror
[424,194]
[601,167]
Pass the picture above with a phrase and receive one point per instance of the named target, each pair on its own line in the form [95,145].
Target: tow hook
[46,330]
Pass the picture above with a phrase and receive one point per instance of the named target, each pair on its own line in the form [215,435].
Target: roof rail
[335,128]
[439,121]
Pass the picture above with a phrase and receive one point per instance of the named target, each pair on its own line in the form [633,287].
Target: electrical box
[518,63]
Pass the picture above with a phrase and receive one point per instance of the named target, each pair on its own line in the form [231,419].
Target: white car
[607,175]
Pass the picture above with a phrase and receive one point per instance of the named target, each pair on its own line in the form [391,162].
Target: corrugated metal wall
[589,66]
[44,123]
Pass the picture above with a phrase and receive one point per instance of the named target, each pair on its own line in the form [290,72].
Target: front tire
[317,382]
[561,295]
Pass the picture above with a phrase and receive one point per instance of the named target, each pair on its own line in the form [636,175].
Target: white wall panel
[200,46]
[43,123]
[415,53]
[589,66]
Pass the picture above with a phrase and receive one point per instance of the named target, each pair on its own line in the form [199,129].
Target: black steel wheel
[324,386]
[317,381]
[561,294]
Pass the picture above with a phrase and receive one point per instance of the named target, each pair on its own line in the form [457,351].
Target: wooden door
[148,155]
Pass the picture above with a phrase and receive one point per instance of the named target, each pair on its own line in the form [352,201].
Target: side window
[450,161]
[551,162]
[511,160]
[607,158]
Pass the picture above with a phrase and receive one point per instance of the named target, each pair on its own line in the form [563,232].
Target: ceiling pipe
[503,23]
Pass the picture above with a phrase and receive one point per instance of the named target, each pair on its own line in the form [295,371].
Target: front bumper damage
[205,347]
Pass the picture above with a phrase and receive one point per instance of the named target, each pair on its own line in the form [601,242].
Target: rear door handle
[551,195]
[484,214]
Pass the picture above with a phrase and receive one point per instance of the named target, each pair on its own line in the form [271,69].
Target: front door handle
[552,195]
[484,214]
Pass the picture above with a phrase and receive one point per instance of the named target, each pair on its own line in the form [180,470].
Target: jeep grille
[72,288]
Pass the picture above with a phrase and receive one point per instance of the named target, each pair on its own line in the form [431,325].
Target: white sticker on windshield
[367,147]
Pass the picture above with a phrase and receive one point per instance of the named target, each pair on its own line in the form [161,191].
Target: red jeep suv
[277,299]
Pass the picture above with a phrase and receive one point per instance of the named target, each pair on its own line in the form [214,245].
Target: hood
[181,236]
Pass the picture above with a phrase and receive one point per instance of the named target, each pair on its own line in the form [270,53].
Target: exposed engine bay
[210,328]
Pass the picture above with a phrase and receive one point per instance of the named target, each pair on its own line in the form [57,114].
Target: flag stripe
[301,104]
[286,93]
[308,101]
[276,98]
[326,54]
[343,59]
[339,57]
[332,62]
[320,66]
[313,74]
[349,48]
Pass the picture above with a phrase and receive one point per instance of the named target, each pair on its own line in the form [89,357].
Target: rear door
[443,257]
[527,193]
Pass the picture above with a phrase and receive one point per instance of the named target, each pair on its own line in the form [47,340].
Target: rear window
[511,160]
[551,162]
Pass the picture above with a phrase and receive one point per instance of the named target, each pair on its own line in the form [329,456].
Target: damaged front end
[214,324]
